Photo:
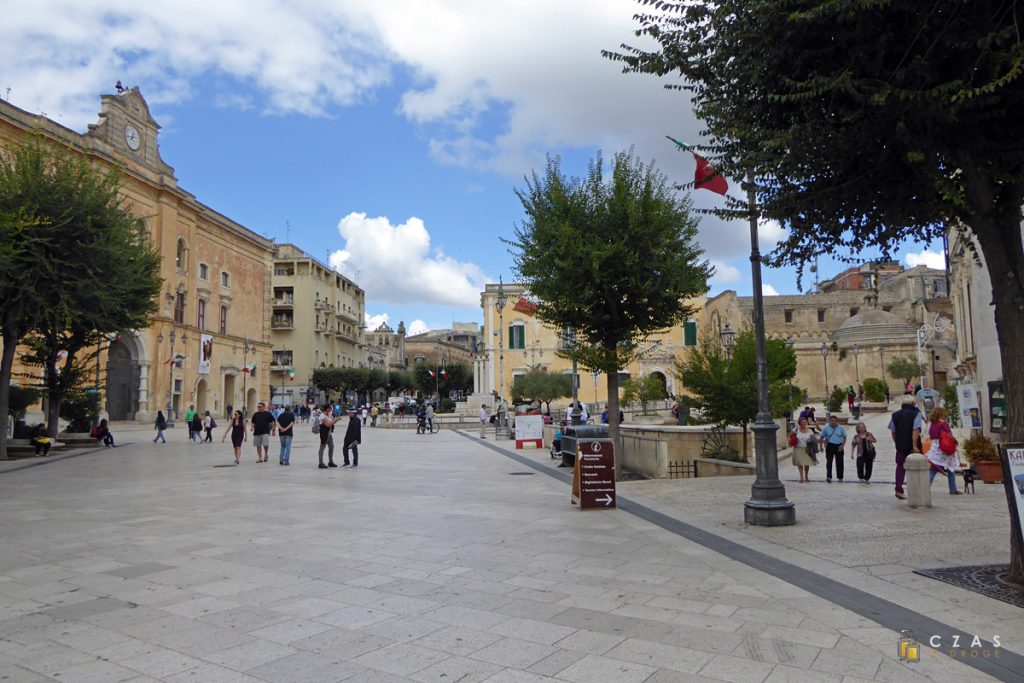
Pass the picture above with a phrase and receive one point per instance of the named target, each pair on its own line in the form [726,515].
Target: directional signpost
[593,480]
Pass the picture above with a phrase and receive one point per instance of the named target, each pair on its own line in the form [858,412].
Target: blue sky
[389,135]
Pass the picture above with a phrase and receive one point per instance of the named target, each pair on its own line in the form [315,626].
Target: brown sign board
[593,480]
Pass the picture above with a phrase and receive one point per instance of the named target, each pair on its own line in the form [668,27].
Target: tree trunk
[6,366]
[613,418]
[998,233]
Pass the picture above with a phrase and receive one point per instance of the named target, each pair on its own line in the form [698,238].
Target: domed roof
[875,326]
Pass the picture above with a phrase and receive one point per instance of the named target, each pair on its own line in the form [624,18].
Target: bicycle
[423,428]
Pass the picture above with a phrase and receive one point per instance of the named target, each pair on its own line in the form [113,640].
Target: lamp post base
[769,512]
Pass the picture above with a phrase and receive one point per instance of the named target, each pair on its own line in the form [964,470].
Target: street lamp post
[790,342]
[824,358]
[596,373]
[247,348]
[856,361]
[570,341]
[171,362]
[768,505]
[728,336]
[501,429]
[881,357]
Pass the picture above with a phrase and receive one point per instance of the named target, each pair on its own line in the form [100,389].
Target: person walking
[189,415]
[353,437]
[941,462]
[905,427]
[209,424]
[484,418]
[374,412]
[430,417]
[421,419]
[851,396]
[237,431]
[262,429]
[366,413]
[196,427]
[327,437]
[834,437]
[863,452]
[802,457]
[160,426]
[285,431]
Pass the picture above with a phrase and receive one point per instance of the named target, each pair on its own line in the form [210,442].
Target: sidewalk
[439,559]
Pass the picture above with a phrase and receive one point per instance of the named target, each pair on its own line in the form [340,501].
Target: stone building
[862,329]
[978,361]
[526,342]
[386,347]
[865,276]
[317,322]
[215,302]
[442,346]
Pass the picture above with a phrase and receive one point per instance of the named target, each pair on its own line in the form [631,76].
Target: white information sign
[970,411]
[529,429]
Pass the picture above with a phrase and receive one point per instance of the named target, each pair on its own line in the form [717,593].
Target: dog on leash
[969,475]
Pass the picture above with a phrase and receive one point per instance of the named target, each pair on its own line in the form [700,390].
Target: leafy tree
[874,389]
[540,385]
[399,380]
[726,390]
[611,257]
[644,390]
[907,369]
[865,124]
[951,399]
[836,397]
[96,272]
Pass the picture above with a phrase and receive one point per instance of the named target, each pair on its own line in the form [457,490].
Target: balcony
[279,367]
[284,302]
[282,323]
[348,316]
[324,305]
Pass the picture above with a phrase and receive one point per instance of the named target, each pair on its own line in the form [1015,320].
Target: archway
[662,380]
[201,396]
[250,402]
[122,381]
[229,394]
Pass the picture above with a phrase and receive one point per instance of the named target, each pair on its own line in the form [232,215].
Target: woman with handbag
[942,451]
[802,456]
[864,452]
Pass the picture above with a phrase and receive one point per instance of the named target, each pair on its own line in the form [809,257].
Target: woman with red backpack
[942,453]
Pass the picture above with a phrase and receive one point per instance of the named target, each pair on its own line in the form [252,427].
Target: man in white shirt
[483,419]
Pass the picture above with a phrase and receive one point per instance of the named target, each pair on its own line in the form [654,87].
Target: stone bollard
[919,491]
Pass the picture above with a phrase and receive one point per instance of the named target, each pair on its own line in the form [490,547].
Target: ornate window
[179,308]
[223,319]
[201,315]
[181,256]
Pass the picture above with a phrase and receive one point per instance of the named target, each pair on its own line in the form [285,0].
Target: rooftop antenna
[287,231]
[8,93]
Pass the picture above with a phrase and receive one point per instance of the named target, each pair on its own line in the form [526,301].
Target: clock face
[132,137]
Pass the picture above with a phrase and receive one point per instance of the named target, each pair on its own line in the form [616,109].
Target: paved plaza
[445,558]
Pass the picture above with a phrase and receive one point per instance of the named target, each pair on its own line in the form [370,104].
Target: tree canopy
[864,124]
[907,369]
[540,385]
[611,257]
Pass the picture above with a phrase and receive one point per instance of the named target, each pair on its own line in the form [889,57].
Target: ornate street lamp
[824,358]
[171,362]
[728,337]
[881,357]
[501,429]
[247,348]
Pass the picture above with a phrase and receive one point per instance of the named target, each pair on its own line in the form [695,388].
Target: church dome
[875,326]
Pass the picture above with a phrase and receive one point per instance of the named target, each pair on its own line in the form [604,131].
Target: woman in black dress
[237,431]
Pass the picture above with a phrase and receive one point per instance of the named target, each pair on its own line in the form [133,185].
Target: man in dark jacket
[353,435]
[905,426]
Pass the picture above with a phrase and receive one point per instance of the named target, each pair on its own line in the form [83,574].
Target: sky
[386,138]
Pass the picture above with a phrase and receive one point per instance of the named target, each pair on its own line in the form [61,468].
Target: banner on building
[970,411]
[205,353]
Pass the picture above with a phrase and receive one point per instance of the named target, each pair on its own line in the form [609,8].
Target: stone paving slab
[429,562]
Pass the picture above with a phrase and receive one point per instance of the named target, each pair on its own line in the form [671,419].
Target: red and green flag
[706,177]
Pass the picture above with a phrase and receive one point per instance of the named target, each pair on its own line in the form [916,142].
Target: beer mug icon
[908,649]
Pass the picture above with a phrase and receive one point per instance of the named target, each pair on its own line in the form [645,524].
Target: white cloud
[724,273]
[396,264]
[768,290]
[418,327]
[925,257]
[375,321]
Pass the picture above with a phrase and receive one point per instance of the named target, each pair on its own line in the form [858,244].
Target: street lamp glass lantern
[824,350]
[856,349]
[728,336]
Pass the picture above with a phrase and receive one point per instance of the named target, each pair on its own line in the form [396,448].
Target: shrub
[21,398]
[447,405]
[836,400]
[874,389]
[979,447]
[79,409]
[952,401]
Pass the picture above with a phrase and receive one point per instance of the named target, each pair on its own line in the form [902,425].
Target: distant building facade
[438,347]
[386,347]
[316,322]
[214,305]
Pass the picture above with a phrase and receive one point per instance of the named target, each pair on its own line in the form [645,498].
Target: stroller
[556,443]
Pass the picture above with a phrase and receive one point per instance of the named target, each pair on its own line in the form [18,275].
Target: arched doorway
[250,402]
[662,380]
[201,396]
[229,395]
[122,382]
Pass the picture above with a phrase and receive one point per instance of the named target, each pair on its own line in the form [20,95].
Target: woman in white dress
[801,458]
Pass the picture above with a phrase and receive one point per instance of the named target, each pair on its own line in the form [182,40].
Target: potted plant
[980,451]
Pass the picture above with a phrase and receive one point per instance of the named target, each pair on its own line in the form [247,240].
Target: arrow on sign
[607,499]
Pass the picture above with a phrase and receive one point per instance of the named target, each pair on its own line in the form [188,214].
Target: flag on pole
[431,372]
[706,177]
[291,375]
[526,306]
[444,373]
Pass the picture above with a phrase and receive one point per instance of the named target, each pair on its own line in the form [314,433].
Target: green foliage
[726,392]
[80,408]
[609,257]
[399,380]
[907,369]
[835,400]
[540,385]
[447,405]
[643,390]
[874,389]
[952,402]
[458,376]
[21,399]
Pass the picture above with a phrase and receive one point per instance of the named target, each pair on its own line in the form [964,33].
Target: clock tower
[126,126]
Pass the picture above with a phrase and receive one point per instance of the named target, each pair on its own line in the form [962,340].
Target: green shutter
[690,333]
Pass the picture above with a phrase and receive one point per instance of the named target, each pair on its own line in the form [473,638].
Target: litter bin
[856,411]
[571,435]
